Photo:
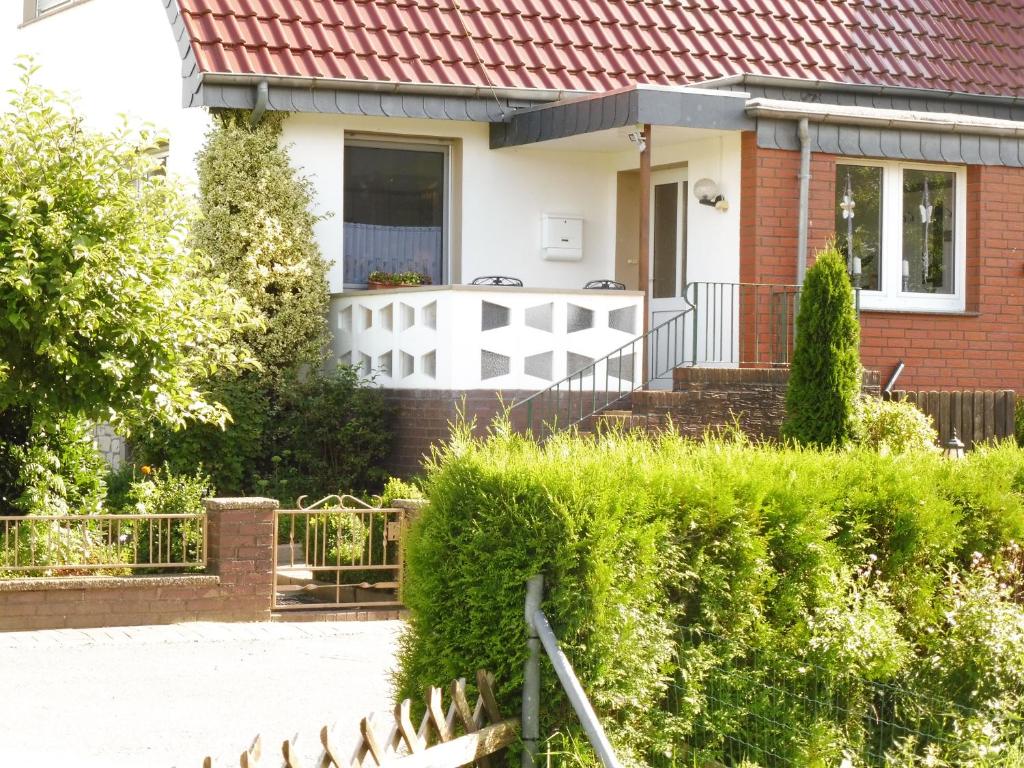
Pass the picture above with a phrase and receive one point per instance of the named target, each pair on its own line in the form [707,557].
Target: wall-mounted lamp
[636,138]
[707,193]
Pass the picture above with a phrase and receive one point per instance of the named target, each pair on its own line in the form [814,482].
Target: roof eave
[934,122]
[797,83]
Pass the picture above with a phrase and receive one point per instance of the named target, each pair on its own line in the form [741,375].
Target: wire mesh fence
[758,709]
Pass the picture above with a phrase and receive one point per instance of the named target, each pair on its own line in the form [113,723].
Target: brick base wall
[423,417]
[704,398]
[238,585]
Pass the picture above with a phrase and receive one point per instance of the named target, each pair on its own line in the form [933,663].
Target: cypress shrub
[825,375]
[257,227]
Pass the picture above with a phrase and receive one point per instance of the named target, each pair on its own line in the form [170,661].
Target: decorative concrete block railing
[464,337]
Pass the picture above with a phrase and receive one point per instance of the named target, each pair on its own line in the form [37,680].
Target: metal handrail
[668,351]
[541,635]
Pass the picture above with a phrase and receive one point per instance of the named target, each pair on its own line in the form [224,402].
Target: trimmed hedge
[838,559]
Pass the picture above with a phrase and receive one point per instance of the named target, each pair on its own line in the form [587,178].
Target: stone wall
[111,445]
[704,398]
[238,584]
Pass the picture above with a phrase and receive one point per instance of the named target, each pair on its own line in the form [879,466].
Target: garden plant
[726,603]
[108,314]
[825,375]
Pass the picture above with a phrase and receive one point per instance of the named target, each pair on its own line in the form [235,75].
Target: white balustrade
[480,337]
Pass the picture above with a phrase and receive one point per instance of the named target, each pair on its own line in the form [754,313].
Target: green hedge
[666,559]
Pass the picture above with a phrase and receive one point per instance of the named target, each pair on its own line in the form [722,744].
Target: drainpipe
[805,188]
[262,97]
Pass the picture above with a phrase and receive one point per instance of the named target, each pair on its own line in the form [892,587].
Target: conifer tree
[825,375]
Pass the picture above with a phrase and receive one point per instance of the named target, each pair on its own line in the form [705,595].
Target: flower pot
[375,286]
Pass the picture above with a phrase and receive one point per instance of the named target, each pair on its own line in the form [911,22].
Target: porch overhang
[635,105]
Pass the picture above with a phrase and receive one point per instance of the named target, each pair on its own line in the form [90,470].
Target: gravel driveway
[163,697]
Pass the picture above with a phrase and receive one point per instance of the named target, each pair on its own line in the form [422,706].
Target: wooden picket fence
[976,415]
[437,742]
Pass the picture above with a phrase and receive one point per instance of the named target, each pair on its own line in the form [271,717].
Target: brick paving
[166,696]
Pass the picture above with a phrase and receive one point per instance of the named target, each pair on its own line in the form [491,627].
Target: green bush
[329,434]
[295,429]
[1018,421]
[892,426]
[396,488]
[49,470]
[163,493]
[719,593]
[825,375]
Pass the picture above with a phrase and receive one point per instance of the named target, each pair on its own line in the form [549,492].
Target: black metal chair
[499,280]
[605,285]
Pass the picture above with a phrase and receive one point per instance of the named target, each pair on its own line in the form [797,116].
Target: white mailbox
[562,237]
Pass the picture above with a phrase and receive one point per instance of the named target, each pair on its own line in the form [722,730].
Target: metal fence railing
[765,709]
[742,323]
[332,554]
[75,545]
[607,381]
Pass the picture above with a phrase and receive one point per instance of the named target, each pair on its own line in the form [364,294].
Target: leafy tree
[825,376]
[105,312]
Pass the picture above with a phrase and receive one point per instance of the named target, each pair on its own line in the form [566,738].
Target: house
[696,153]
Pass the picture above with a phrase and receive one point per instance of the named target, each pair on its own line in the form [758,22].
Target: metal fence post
[531,675]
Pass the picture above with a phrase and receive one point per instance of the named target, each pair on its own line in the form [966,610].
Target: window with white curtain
[395,209]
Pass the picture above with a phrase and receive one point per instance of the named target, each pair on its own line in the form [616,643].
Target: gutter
[386,87]
[773,81]
[897,119]
[805,194]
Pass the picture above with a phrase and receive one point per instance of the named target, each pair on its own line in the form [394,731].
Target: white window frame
[414,144]
[891,296]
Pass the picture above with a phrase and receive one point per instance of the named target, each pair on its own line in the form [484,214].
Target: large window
[902,226]
[396,210]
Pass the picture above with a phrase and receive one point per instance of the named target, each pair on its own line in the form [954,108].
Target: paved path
[165,697]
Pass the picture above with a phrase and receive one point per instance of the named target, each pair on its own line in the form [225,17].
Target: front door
[667,268]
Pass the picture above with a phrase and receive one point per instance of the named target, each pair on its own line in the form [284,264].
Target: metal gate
[338,553]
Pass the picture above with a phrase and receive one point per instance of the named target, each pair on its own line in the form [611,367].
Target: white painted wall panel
[503,196]
[116,57]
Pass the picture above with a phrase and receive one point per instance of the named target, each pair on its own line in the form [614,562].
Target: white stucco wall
[713,237]
[503,195]
[115,57]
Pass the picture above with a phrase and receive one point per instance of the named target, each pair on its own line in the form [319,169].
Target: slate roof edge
[638,104]
[932,122]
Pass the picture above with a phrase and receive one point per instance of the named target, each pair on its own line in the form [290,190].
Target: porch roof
[634,105]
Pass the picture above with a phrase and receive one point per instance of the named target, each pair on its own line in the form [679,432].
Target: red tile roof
[973,46]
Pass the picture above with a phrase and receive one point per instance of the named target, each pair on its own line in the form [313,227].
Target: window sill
[920,311]
[52,12]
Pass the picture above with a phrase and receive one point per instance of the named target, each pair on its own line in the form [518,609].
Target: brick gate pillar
[241,537]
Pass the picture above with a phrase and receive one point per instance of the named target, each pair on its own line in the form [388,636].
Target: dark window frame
[414,144]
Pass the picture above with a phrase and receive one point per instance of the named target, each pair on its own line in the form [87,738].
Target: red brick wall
[423,417]
[238,585]
[980,349]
